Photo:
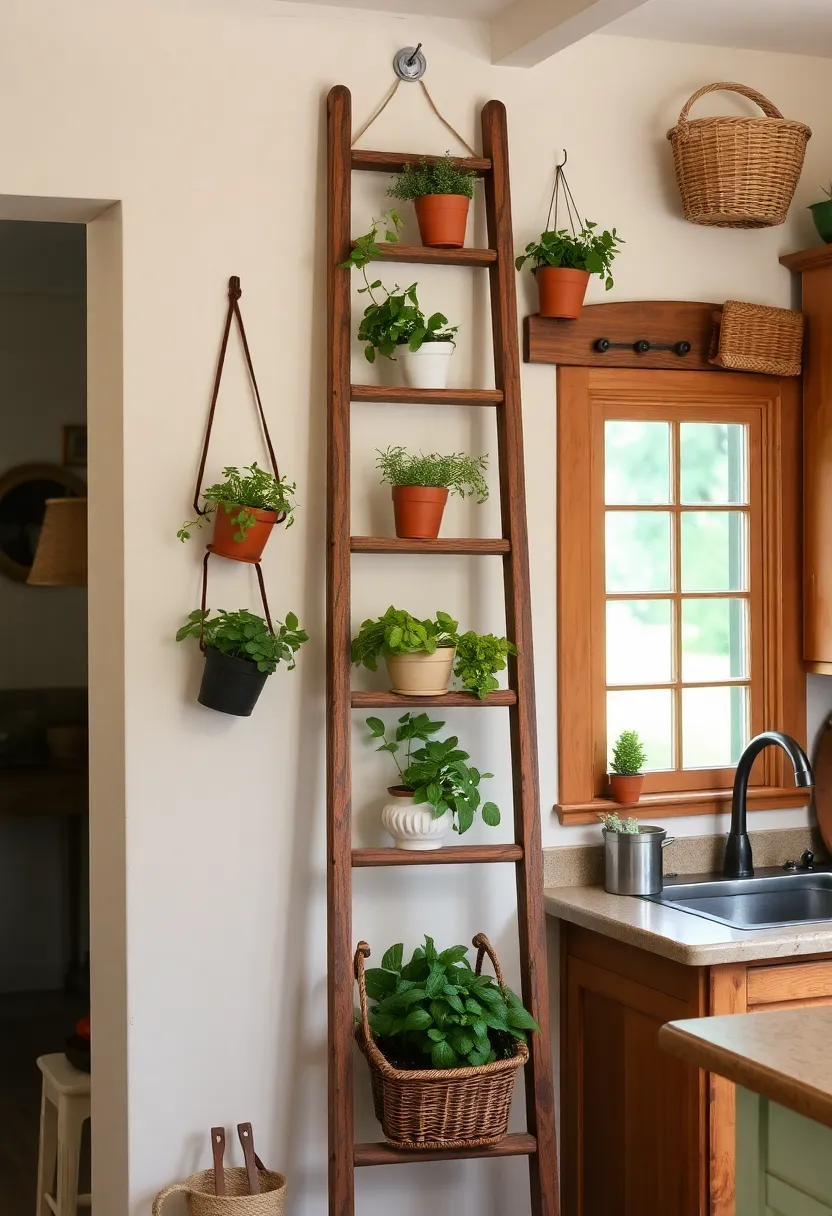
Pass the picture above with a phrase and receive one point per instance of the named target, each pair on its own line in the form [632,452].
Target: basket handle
[769,108]
[362,951]
[166,1193]
[484,947]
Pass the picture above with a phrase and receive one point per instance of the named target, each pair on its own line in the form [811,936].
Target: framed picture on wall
[75,446]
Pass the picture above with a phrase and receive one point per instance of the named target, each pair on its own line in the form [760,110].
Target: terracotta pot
[442,219]
[626,790]
[421,674]
[418,511]
[413,827]
[561,291]
[250,549]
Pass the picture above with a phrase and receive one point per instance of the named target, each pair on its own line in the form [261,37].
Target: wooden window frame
[771,408]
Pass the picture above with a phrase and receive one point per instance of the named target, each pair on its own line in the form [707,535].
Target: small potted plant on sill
[441,193]
[393,324]
[822,216]
[248,504]
[241,653]
[421,485]
[436,785]
[563,262]
[628,761]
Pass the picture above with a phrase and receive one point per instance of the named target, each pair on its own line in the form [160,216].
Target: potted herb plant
[628,761]
[241,652]
[394,325]
[435,785]
[441,192]
[421,485]
[822,215]
[248,504]
[563,262]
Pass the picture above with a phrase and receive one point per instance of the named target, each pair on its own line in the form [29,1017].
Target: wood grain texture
[661,322]
[451,855]
[476,546]
[808,259]
[394,700]
[540,1103]
[517,1144]
[727,995]
[690,802]
[426,256]
[394,162]
[398,395]
[796,982]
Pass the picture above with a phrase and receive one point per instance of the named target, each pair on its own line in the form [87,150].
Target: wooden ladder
[538,1143]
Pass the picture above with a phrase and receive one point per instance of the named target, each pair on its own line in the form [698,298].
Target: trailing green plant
[458,472]
[239,492]
[478,657]
[243,635]
[628,754]
[396,318]
[436,1012]
[442,176]
[614,823]
[437,772]
[586,250]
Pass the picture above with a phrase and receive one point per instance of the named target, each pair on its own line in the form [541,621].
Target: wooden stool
[65,1105]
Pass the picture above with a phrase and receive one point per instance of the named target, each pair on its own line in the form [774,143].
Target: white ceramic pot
[421,674]
[427,367]
[413,827]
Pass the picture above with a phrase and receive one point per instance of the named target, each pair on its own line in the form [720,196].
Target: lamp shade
[61,555]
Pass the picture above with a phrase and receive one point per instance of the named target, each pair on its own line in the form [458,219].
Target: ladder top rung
[451,855]
[429,256]
[518,1144]
[392,700]
[394,162]
[476,546]
[389,394]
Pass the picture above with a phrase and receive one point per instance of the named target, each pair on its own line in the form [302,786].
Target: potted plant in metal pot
[441,192]
[247,504]
[822,216]
[437,789]
[241,652]
[421,485]
[562,263]
[628,761]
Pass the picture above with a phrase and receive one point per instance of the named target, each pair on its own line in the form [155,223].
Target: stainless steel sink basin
[769,900]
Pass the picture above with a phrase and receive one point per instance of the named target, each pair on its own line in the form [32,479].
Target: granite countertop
[782,1055]
[678,935]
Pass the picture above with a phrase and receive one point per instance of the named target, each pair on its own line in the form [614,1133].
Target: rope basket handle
[158,1202]
[484,947]
[768,107]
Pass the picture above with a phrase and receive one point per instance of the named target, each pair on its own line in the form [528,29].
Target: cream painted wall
[205,118]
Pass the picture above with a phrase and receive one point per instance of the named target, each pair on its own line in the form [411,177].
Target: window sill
[695,802]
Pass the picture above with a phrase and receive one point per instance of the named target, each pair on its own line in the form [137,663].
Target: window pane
[651,714]
[713,464]
[714,726]
[637,462]
[639,645]
[714,551]
[714,639]
[638,551]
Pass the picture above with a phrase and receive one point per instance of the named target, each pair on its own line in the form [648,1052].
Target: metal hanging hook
[409,63]
[412,58]
[562,164]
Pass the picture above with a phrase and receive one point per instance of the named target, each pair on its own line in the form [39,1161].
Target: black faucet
[739,862]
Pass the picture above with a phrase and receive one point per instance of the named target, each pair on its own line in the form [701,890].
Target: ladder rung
[394,162]
[392,700]
[435,257]
[389,394]
[518,1144]
[451,544]
[457,854]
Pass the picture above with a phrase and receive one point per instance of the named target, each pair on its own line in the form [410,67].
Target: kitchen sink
[769,900]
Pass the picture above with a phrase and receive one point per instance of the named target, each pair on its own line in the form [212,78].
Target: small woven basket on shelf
[437,1108]
[237,1201]
[757,338]
[737,172]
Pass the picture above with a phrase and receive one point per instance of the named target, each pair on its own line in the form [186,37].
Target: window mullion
[676,584]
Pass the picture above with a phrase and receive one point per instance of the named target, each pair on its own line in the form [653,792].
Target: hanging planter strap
[234,293]
[204,600]
[385,103]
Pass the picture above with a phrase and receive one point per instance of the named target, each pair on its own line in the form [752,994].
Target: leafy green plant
[239,492]
[243,635]
[443,176]
[437,772]
[436,1012]
[396,318]
[614,823]
[459,473]
[628,754]
[478,657]
[588,250]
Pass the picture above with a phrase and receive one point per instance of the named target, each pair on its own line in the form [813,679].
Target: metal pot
[633,861]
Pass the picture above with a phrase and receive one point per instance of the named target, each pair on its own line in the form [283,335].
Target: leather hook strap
[204,600]
[234,293]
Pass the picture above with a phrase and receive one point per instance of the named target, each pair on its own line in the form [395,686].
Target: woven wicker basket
[756,338]
[237,1201]
[736,172]
[439,1108]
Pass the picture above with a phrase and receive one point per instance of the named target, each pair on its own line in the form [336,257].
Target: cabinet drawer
[790,982]
[799,1153]
[784,1200]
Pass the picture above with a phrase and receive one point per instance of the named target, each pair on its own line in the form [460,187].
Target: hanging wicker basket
[436,1108]
[737,172]
[238,1199]
[757,338]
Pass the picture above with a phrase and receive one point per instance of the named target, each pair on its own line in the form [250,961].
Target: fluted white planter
[413,827]
[427,367]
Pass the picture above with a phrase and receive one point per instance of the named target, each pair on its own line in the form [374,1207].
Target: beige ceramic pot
[421,674]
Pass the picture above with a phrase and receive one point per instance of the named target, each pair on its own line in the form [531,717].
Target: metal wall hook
[562,164]
[409,63]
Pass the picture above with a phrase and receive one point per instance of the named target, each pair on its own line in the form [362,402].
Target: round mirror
[23,494]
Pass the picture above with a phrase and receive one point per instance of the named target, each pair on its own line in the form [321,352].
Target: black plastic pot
[230,685]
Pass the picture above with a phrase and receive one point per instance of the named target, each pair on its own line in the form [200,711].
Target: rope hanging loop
[204,599]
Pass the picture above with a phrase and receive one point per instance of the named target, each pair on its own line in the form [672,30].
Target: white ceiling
[478,10]
[802,27]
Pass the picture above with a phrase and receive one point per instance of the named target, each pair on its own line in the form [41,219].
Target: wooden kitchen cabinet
[643,1133]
